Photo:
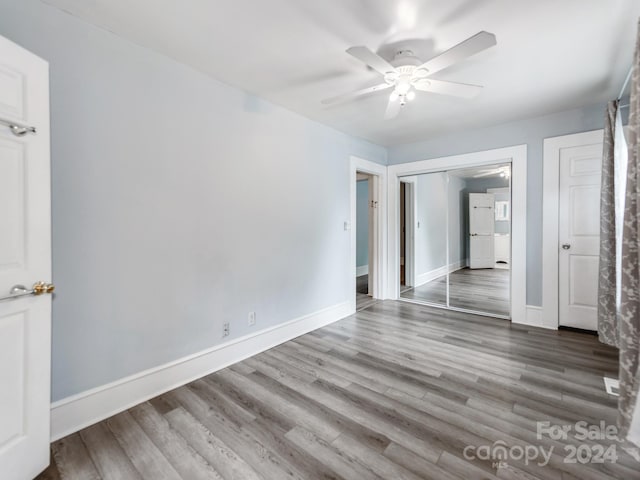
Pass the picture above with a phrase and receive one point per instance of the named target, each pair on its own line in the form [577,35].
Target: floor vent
[612,386]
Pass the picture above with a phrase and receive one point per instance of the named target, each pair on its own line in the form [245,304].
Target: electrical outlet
[225,329]
[252,319]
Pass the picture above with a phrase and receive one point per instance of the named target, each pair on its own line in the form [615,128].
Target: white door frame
[378,184]
[517,156]
[550,208]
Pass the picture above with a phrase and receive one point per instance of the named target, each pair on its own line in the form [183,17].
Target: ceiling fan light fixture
[394,96]
[411,95]
[403,88]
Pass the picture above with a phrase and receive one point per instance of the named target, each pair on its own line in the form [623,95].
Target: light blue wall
[431,221]
[362,223]
[531,132]
[480,185]
[503,226]
[179,203]
[210,208]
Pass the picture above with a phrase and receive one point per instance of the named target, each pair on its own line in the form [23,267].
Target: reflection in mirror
[455,238]
[479,239]
[423,238]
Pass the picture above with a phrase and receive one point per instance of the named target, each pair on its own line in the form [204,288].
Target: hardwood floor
[483,290]
[364,301]
[396,391]
[434,291]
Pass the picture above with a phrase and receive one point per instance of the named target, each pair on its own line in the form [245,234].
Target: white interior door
[481,230]
[579,235]
[25,258]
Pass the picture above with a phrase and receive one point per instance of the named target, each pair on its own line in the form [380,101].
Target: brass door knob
[42,287]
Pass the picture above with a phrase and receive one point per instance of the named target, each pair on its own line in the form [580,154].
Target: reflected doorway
[365,209]
[407,233]
[461,241]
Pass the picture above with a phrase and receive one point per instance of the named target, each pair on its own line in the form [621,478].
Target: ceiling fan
[406,73]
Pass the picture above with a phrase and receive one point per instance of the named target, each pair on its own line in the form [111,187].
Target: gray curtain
[608,330]
[629,316]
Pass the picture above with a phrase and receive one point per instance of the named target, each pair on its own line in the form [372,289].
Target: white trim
[517,155]
[372,225]
[534,317]
[378,267]
[612,386]
[439,272]
[362,270]
[86,408]
[499,190]
[550,207]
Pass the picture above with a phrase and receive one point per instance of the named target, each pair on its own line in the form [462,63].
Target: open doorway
[367,269]
[365,224]
[407,233]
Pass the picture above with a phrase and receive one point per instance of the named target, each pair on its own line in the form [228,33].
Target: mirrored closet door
[455,246]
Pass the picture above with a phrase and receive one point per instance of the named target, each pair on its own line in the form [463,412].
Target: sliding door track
[455,309]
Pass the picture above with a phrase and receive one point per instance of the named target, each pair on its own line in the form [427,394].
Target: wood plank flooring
[363,300]
[396,391]
[481,290]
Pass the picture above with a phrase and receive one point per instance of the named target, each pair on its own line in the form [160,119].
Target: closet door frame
[517,157]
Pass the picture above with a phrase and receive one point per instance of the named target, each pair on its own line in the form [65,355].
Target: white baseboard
[86,408]
[439,272]
[362,270]
[535,318]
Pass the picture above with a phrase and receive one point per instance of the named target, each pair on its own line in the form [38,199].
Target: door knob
[21,291]
[566,246]
[42,287]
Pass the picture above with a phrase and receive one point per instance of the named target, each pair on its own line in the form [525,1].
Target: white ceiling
[552,55]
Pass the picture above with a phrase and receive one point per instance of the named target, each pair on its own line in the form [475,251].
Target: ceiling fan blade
[358,93]
[448,88]
[472,45]
[373,60]
[393,109]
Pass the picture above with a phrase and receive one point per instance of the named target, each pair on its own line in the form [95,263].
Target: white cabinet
[502,248]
